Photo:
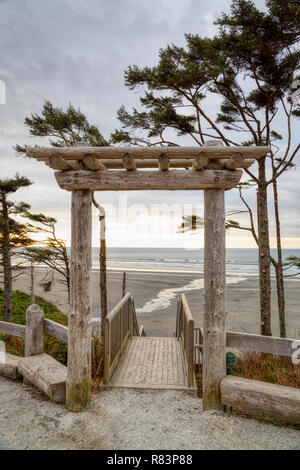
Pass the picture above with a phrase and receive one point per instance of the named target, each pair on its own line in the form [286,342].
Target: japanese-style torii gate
[84,169]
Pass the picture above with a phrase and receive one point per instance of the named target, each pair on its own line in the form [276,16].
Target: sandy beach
[155,299]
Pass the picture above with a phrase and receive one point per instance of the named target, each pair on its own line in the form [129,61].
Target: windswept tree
[13,234]
[66,128]
[53,252]
[250,66]
[63,128]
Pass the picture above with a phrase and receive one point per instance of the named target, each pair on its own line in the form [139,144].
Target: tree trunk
[103,288]
[32,282]
[264,251]
[279,267]
[6,257]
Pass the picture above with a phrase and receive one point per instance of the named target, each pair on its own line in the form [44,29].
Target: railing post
[191,353]
[106,365]
[178,297]
[34,333]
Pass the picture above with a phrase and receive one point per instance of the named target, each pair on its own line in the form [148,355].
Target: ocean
[239,261]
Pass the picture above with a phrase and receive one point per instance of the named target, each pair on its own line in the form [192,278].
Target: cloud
[76,51]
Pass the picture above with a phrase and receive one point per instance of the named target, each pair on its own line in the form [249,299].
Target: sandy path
[127,419]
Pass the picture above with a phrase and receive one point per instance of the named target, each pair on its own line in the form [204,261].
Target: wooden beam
[13,329]
[200,161]
[78,385]
[261,398]
[107,180]
[129,162]
[265,344]
[232,165]
[56,329]
[163,162]
[59,163]
[214,333]
[77,153]
[92,163]
[235,161]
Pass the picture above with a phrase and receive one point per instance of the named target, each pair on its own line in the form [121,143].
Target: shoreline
[155,299]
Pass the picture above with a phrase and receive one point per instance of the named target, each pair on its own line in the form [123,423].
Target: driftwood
[106,180]
[13,329]
[45,373]
[261,398]
[77,153]
[80,329]
[9,366]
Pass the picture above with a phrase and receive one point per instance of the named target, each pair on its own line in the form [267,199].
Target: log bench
[261,398]
[9,367]
[45,373]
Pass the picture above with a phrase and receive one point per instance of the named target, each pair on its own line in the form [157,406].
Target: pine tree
[13,234]
[251,65]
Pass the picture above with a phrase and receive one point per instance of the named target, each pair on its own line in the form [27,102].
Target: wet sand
[242,300]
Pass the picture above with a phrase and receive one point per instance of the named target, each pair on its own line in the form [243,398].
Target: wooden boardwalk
[151,363]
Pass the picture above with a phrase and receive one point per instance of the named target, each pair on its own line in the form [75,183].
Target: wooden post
[78,386]
[214,339]
[123,284]
[34,333]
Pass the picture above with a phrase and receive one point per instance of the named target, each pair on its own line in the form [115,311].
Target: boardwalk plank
[151,363]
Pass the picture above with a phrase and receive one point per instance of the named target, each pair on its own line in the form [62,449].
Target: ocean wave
[165,296]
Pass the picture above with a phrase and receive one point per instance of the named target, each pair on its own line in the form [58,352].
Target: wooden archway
[82,170]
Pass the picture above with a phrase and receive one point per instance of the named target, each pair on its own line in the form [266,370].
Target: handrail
[117,330]
[186,333]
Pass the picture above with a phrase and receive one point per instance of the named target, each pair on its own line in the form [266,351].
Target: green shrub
[21,301]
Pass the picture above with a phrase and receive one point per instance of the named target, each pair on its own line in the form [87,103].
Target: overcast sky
[76,51]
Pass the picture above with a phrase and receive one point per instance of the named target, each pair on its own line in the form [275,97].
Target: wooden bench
[261,398]
[45,373]
[9,367]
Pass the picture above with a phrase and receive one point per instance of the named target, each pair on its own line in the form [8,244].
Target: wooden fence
[119,325]
[249,342]
[186,333]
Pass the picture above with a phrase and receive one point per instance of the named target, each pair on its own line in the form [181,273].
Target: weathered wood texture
[214,340]
[80,329]
[116,333]
[186,332]
[261,398]
[151,363]
[9,366]
[258,343]
[56,329]
[106,180]
[12,329]
[34,333]
[92,163]
[45,373]
[129,162]
[77,153]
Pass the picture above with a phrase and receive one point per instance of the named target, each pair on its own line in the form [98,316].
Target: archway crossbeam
[133,168]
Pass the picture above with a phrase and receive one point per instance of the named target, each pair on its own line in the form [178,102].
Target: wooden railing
[258,343]
[185,331]
[119,325]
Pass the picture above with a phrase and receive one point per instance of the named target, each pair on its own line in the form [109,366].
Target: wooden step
[9,366]
[45,373]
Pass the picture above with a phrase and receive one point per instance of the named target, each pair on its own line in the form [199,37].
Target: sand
[242,300]
[130,419]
